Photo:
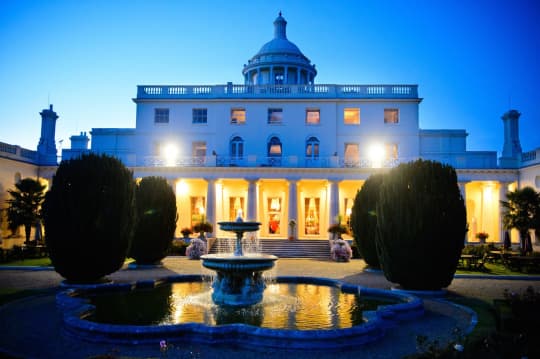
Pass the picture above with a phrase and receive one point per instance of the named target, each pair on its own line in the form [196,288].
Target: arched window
[237,148]
[274,147]
[312,148]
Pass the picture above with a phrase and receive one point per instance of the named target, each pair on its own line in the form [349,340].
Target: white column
[298,77]
[286,75]
[293,200]
[334,201]
[211,202]
[252,199]
[272,79]
[258,82]
[172,183]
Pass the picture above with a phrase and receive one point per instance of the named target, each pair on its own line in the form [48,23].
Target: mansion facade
[281,147]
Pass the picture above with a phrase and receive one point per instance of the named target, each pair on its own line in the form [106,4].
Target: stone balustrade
[276,91]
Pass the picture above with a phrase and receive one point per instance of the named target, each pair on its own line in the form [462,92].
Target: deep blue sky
[472,60]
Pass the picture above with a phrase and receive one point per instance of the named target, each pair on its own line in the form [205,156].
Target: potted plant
[292,226]
[482,236]
[337,229]
[202,228]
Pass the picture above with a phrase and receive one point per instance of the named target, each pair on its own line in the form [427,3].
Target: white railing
[276,91]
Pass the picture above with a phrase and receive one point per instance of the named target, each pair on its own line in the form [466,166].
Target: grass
[492,269]
[35,262]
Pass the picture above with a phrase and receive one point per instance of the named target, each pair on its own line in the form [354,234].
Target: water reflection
[285,306]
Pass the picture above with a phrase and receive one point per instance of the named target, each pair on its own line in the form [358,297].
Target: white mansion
[281,146]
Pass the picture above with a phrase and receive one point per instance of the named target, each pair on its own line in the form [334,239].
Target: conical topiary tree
[88,216]
[155,205]
[421,225]
[25,205]
[364,219]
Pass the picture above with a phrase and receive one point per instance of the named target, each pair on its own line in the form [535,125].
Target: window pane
[313,117]
[199,115]
[238,116]
[391,115]
[199,149]
[275,116]
[391,151]
[161,115]
[351,151]
[351,116]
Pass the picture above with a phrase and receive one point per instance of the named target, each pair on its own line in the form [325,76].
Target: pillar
[293,200]
[286,75]
[503,190]
[211,202]
[334,201]
[462,189]
[252,199]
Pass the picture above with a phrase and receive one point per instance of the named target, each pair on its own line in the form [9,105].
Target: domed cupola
[279,61]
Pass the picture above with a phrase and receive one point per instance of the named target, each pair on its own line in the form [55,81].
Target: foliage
[203,227]
[421,225]
[25,204]
[522,211]
[478,250]
[338,228]
[523,304]
[482,236]
[178,248]
[89,217]
[186,231]
[155,210]
[364,219]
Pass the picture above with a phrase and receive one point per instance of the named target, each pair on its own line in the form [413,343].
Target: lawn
[492,269]
[36,262]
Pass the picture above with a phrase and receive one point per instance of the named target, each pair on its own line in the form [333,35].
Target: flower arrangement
[482,236]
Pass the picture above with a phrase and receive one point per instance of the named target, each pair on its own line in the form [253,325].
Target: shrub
[88,217]
[155,210]
[421,225]
[364,219]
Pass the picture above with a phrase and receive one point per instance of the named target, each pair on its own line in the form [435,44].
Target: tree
[88,216]
[364,219]
[25,205]
[155,206]
[421,225]
[522,212]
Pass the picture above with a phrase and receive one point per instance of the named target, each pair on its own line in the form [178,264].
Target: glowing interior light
[376,154]
[170,153]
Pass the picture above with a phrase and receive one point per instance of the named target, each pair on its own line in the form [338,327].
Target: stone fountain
[239,280]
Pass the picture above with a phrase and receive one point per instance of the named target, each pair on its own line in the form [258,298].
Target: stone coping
[75,307]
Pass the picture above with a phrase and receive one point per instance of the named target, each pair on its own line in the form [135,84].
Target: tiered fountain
[239,281]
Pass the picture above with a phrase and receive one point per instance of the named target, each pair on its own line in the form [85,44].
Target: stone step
[283,248]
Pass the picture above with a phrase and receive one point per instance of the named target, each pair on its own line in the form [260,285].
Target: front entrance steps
[300,248]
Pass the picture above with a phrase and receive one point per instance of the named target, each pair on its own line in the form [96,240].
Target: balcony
[231,91]
[262,161]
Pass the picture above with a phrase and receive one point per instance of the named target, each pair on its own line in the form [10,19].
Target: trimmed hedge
[88,217]
[155,206]
[421,225]
[364,219]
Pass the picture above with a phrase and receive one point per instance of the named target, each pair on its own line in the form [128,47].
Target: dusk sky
[472,60]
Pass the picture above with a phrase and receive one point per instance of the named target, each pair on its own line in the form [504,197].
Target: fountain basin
[76,309]
[239,280]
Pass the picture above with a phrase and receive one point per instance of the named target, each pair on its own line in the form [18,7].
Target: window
[237,148]
[198,149]
[161,115]
[391,115]
[238,116]
[312,148]
[275,116]
[200,115]
[352,156]
[351,116]
[279,79]
[274,147]
[313,116]
[391,151]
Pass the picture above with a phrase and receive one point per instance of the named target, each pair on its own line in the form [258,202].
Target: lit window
[391,115]
[351,116]
[200,115]
[275,116]
[352,156]
[312,148]
[274,147]
[237,147]
[161,115]
[198,149]
[313,116]
[391,151]
[238,116]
